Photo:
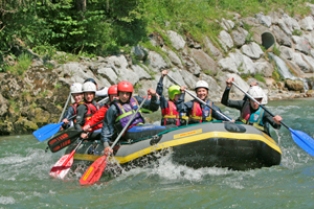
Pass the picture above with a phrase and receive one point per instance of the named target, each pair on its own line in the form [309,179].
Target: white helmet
[201,84]
[76,88]
[89,87]
[256,92]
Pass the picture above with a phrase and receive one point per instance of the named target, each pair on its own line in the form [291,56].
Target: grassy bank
[109,27]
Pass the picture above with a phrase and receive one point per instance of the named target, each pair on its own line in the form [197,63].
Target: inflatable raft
[235,146]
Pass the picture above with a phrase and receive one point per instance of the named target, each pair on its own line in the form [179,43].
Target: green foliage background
[106,26]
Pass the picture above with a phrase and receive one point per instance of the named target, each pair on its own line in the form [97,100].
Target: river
[25,183]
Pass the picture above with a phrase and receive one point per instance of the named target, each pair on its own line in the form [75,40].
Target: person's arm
[99,116]
[68,113]
[151,104]
[187,107]
[268,118]
[160,86]
[80,117]
[107,129]
[215,113]
[237,104]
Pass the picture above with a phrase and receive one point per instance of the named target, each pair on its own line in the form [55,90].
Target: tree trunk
[81,5]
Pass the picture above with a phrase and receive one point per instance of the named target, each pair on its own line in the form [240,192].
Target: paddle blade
[303,140]
[63,140]
[47,131]
[62,167]
[94,171]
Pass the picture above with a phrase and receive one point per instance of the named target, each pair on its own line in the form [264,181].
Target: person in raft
[250,111]
[255,83]
[87,108]
[90,125]
[199,112]
[121,111]
[77,96]
[169,108]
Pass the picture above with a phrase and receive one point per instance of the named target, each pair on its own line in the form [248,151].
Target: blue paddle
[302,139]
[48,130]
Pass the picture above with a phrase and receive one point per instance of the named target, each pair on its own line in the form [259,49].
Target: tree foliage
[103,27]
[92,26]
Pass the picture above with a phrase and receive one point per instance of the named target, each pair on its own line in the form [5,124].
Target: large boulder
[294,85]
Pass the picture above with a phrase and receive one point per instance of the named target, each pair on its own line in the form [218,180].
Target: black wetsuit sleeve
[268,118]
[160,86]
[69,113]
[150,104]
[80,117]
[237,104]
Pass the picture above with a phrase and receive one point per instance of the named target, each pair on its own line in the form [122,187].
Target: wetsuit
[170,111]
[207,113]
[71,111]
[240,105]
[84,113]
[108,128]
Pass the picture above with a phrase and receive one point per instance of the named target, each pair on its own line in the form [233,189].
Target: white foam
[7,200]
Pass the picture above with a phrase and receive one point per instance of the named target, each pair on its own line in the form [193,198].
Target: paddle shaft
[262,106]
[199,100]
[63,140]
[73,151]
[128,123]
[66,104]
[94,171]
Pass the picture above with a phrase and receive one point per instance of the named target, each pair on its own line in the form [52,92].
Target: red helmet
[125,86]
[113,89]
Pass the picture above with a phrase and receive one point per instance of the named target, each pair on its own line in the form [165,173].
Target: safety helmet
[113,89]
[89,87]
[125,86]
[90,80]
[76,88]
[201,84]
[173,90]
[256,92]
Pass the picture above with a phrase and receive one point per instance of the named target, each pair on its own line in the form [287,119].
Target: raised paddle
[63,165]
[48,130]
[199,100]
[302,139]
[95,170]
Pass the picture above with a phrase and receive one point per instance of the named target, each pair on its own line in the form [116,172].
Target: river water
[25,183]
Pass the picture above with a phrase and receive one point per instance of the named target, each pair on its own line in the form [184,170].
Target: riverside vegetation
[46,45]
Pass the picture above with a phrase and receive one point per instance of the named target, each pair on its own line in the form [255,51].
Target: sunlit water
[25,183]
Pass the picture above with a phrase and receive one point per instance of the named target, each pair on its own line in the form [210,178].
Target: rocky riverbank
[274,48]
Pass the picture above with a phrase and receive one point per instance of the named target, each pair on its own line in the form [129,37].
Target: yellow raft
[235,146]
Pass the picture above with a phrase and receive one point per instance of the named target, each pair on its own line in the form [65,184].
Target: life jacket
[125,112]
[255,118]
[199,115]
[97,117]
[91,107]
[170,114]
[74,106]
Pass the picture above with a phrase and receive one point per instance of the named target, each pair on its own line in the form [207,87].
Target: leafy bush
[104,26]
[23,62]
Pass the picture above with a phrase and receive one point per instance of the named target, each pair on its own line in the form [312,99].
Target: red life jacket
[198,115]
[91,110]
[74,106]
[170,112]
